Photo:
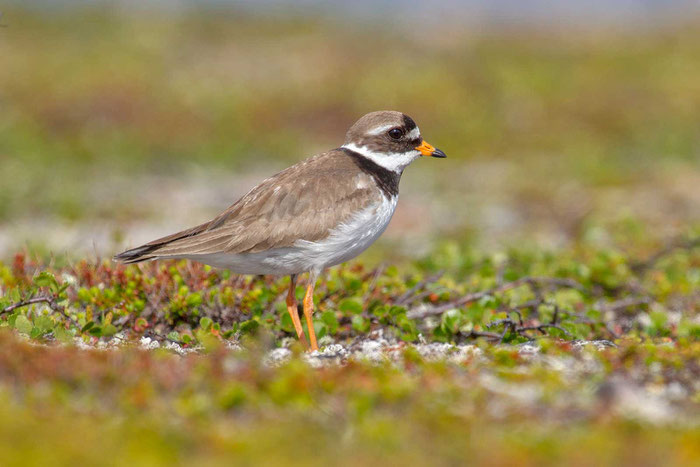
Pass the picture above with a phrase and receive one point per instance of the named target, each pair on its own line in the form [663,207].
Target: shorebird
[318,213]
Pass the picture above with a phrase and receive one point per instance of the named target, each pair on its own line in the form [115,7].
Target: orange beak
[427,149]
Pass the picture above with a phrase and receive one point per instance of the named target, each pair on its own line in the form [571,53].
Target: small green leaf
[109,329]
[207,340]
[206,323]
[360,324]
[62,335]
[194,299]
[451,321]
[43,323]
[320,328]
[286,322]
[350,305]
[12,318]
[23,325]
[249,326]
[14,295]
[46,279]
[330,320]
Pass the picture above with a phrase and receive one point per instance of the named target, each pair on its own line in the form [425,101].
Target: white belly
[344,242]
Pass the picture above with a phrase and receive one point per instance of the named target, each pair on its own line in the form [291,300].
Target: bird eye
[396,133]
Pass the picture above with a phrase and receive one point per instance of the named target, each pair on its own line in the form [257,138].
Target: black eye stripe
[416,141]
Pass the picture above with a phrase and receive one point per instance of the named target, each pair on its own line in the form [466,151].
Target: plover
[318,213]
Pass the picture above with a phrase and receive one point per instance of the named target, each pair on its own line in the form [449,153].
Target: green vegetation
[589,294]
[536,303]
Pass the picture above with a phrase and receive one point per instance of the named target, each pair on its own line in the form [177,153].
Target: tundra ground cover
[592,358]
[590,294]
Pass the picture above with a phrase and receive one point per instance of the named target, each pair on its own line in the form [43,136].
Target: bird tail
[136,255]
[150,251]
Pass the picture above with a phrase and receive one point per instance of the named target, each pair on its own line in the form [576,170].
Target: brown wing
[303,202]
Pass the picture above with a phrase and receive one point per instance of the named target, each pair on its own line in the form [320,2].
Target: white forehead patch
[413,134]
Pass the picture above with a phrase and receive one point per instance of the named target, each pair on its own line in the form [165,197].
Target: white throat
[394,161]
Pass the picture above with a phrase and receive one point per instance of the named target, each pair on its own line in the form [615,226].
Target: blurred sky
[434,12]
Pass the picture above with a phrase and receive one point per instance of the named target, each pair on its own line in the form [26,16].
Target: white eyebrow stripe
[413,134]
[381,129]
[394,161]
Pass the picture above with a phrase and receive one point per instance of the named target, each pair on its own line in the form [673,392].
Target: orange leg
[294,312]
[309,310]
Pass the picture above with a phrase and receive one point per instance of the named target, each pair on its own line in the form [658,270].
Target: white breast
[342,244]
[351,238]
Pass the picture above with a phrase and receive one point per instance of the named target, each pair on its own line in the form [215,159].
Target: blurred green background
[121,122]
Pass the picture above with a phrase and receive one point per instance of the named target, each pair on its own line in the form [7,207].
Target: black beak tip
[438,153]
